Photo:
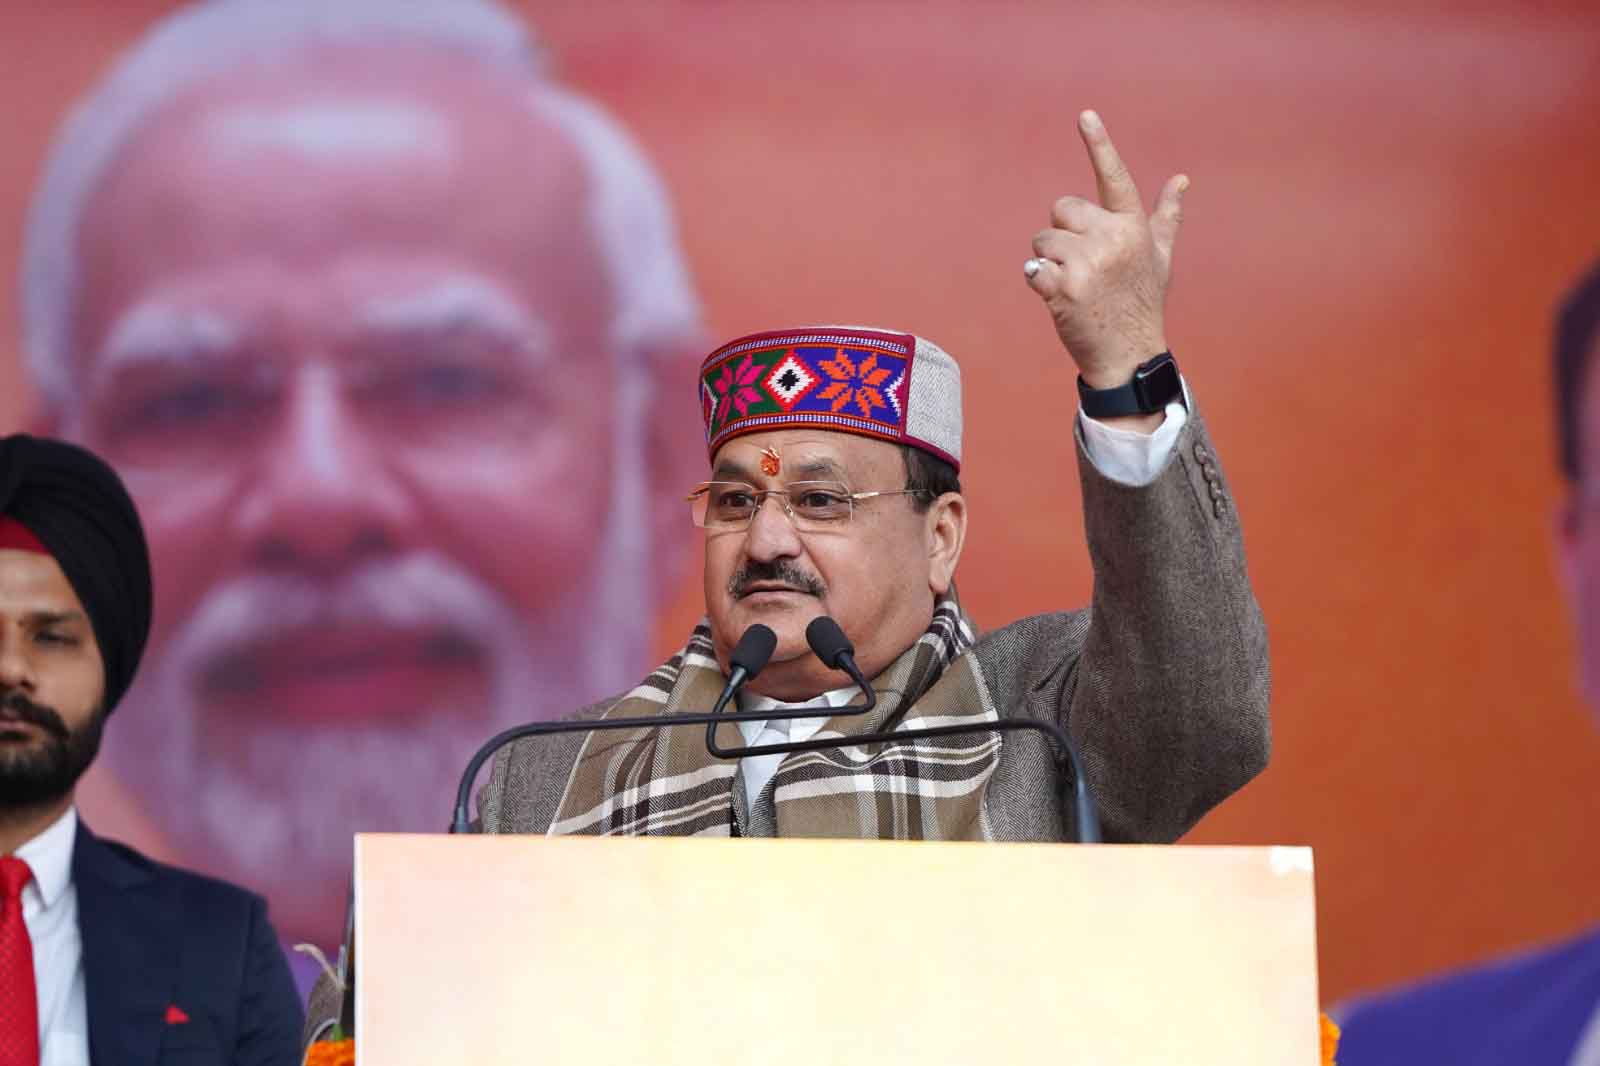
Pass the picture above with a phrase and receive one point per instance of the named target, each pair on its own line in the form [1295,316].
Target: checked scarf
[664,782]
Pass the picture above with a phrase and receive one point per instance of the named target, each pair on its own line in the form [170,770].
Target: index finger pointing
[1117,190]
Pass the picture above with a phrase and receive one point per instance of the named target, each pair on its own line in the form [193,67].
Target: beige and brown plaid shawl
[652,782]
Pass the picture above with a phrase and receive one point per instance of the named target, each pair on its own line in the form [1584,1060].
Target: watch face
[1158,386]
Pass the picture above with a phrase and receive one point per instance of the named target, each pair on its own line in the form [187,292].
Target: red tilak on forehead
[14,534]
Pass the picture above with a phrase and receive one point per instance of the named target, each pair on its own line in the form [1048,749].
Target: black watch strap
[1155,384]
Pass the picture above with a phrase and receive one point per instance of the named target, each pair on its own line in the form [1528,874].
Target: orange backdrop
[1387,201]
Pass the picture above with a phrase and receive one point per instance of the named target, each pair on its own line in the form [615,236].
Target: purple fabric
[1525,1010]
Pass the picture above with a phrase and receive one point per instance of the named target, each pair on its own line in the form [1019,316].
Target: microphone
[755,647]
[748,658]
[829,643]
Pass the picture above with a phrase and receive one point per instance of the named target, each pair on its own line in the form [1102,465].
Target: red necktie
[19,1004]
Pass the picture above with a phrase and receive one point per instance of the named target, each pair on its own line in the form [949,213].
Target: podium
[604,950]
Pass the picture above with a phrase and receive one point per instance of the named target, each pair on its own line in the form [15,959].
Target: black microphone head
[829,641]
[753,650]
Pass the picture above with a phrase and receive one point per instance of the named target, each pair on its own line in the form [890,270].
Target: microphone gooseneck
[828,643]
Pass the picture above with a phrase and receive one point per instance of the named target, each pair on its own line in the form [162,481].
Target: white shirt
[1123,455]
[50,912]
[1127,455]
[757,770]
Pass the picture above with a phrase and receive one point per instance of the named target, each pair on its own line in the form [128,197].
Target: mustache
[781,571]
[15,707]
[417,590]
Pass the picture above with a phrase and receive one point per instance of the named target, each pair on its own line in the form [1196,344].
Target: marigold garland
[332,1053]
[1330,1041]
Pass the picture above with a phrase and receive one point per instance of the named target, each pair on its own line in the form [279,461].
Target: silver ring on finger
[1032,267]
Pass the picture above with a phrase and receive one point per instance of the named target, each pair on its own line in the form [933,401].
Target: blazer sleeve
[1169,702]
[1163,683]
[528,778]
[270,1017]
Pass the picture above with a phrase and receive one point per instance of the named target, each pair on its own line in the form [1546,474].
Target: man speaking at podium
[834,490]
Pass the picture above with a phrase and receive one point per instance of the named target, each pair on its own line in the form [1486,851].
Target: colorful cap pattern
[846,379]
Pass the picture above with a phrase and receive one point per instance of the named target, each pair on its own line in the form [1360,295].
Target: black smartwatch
[1155,384]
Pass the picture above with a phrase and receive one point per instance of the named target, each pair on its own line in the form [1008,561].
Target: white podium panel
[595,950]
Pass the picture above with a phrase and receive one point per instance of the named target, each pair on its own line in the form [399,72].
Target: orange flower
[1330,1040]
[331,1053]
[851,382]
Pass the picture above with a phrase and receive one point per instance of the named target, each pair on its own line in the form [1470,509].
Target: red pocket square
[175,1015]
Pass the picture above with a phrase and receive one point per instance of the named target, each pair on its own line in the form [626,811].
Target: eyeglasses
[810,505]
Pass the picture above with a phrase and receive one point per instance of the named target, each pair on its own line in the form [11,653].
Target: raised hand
[1102,269]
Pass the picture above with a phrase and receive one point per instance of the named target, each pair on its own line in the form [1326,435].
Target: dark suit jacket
[162,944]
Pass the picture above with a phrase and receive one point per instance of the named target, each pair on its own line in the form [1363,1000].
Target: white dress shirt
[50,911]
[1127,455]
[1123,455]
[757,770]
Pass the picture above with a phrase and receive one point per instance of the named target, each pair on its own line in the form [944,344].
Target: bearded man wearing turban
[105,955]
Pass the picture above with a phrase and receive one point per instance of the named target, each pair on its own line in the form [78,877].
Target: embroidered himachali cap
[876,383]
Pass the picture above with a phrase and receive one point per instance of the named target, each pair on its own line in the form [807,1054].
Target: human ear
[946,533]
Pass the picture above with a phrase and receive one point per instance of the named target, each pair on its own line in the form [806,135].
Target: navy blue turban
[77,508]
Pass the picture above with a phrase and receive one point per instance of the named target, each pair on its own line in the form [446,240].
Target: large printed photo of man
[368,311]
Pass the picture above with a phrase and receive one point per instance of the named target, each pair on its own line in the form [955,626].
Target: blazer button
[1216,491]
[1209,470]
[1200,452]
[1219,507]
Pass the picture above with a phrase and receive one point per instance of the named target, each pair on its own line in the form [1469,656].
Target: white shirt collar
[795,729]
[49,856]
